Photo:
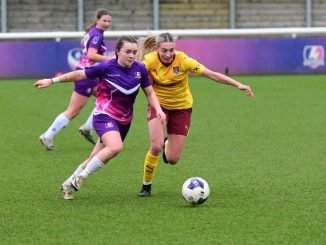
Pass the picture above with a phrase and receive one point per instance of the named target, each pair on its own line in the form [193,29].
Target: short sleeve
[193,65]
[145,82]
[95,42]
[147,61]
[95,71]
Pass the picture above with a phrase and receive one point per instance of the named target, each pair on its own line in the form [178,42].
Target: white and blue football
[195,190]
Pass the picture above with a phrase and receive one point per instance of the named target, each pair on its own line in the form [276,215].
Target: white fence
[287,32]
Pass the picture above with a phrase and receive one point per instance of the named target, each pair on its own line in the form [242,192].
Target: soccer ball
[195,190]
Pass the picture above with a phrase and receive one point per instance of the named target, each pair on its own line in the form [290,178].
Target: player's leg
[99,146]
[111,146]
[111,136]
[66,186]
[156,133]
[174,147]
[177,129]
[86,129]
[77,102]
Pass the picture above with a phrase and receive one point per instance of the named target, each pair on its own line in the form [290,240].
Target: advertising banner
[38,59]
[259,56]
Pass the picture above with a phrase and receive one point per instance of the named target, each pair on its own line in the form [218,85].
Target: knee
[156,147]
[115,150]
[173,160]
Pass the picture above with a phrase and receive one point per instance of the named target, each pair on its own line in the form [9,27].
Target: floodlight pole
[3,15]
[232,14]
[308,13]
[156,14]
[80,10]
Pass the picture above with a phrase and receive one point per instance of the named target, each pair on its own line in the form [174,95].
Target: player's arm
[94,56]
[221,78]
[153,102]
[67,77]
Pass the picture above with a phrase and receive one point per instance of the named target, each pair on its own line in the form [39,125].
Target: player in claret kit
[169,70]
[119,83]
[93,51]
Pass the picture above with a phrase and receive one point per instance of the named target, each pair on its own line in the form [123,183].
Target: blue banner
[39,59]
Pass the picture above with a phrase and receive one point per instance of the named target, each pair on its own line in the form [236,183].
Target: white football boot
[87,134]
[77,182]
[67,192]
[48,143]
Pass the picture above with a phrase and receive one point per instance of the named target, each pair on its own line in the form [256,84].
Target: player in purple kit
[119,83]
[93,51]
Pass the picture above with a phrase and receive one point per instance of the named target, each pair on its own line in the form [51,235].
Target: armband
[55,80]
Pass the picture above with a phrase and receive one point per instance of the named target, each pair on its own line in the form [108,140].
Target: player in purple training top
[119,83]
[93,51]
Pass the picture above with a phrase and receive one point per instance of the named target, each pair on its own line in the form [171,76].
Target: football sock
[89,123]
[75,174]
[58,124]
[93,165]
[150,166]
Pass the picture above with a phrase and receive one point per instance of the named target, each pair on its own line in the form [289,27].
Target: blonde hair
[146,45]
[150,43]
[165,37]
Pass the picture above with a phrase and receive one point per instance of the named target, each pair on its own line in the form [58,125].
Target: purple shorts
[103,123]
[85,87]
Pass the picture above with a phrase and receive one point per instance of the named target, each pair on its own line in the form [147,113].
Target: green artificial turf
[264,159]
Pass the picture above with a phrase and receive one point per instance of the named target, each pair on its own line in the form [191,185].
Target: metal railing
[261,32]
[156,14]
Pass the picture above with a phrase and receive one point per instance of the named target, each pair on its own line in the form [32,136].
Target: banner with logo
[259,55]
[38,59]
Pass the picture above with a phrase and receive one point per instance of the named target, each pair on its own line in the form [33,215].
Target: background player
[93,51]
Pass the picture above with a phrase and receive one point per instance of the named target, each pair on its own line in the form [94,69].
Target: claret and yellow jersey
[171,82]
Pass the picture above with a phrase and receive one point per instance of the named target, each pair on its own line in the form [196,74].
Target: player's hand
[161,116]
[43,83]
[248,89]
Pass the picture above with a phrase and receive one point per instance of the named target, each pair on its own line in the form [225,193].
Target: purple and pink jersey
[93,39]
[117,88]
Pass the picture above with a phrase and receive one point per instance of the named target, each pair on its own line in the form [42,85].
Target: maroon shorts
[178,121]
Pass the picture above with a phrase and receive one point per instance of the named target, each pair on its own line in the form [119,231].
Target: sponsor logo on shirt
[313,56]
[197,67]
[95,40]
[113,75]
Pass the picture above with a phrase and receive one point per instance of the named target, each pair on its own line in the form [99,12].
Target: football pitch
[264,159]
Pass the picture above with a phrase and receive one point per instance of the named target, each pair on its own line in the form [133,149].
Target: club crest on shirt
[176,70]
[137,74]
